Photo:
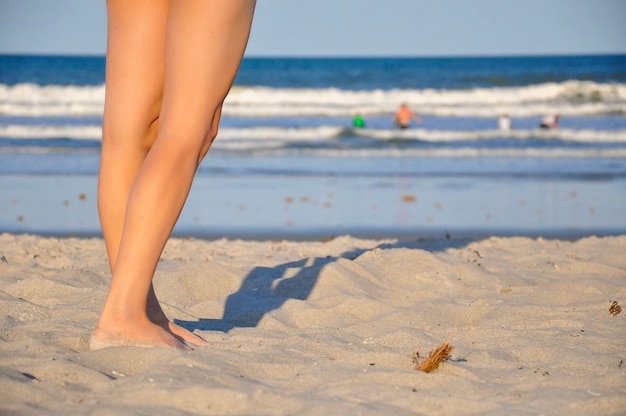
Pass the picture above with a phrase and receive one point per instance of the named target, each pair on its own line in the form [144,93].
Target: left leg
[135,70]
[205,41]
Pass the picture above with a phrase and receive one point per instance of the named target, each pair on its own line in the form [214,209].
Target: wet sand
[313,208]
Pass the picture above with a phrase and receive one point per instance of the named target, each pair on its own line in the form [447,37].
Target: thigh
[135,67]
[205,43]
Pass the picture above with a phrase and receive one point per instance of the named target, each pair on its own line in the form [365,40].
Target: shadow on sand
[266,288]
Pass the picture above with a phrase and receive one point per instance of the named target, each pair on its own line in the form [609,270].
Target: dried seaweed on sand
[615,309]
[435,357]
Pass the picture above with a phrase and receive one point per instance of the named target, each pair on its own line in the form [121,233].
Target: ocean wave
[219,149]
[22,131]
[442,136]
[570,98]
[280,136]
[32,100]
[463,152]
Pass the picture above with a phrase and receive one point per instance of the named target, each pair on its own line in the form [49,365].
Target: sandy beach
[333,327]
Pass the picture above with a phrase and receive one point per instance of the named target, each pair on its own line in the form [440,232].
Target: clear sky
[354,27]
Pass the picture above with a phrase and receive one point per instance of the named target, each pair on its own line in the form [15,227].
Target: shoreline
[328,235]
[298,208]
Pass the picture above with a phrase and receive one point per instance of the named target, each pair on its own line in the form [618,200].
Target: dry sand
[317,328]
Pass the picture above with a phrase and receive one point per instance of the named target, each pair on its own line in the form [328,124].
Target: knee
[211,132]
[209,137]
[189,138]
[184,145]
[137,136]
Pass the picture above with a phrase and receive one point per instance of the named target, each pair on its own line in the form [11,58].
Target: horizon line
[351,56]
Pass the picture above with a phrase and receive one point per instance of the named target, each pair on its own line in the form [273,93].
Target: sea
[288,163]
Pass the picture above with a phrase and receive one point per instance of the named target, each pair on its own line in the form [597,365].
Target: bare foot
[185,335]
[156,315]
[134,334]
[177,331]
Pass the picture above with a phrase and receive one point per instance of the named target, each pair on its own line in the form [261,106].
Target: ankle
[119,316]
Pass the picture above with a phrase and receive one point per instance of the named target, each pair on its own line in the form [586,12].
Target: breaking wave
[570,98]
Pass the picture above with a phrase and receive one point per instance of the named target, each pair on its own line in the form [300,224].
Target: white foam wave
[300,134]
[33,100]
[278,136]
[20,131]
[276,149]
[439,136]
[94,132]
[465,152]
[571,98]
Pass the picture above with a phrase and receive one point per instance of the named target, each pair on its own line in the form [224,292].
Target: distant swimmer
[403,117]
[358,122]
[550,122]
[504,123]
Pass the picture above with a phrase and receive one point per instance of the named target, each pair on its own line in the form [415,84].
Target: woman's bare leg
[135,77]
[204,42]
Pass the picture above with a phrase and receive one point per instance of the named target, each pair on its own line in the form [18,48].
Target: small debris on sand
[615,309]
[435,357]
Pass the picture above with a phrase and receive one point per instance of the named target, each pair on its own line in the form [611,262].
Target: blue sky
[354,27]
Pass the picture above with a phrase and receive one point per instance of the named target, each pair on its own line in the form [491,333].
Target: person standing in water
[170,65]
[358,121]
[550,122]
[404,115]
[504,123]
